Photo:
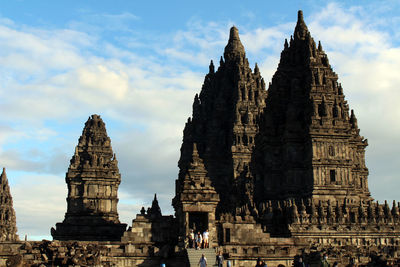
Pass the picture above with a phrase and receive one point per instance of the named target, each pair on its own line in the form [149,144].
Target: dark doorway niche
[333,175]
[198,221]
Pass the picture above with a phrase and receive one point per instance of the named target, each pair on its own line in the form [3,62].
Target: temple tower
[93,179]
[310,146]
[224,125]
[8,225]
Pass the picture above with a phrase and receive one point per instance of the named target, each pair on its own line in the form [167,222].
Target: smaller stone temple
[196,199]
[8,225]
[93,179]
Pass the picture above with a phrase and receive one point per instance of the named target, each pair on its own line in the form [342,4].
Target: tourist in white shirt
[205,238]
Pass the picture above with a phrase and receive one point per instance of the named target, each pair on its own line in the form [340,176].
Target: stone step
[194,256]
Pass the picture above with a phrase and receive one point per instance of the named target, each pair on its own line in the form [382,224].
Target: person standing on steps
[191,239]
[199,240]
[205,238]
[219,261]
[202,261]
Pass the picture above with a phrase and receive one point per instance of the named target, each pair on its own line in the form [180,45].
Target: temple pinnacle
[234,34]
[300,16]
[301,30]
[234,49]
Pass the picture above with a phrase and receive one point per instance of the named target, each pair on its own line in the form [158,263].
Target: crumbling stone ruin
[275,174]
[8,225]
[93,179]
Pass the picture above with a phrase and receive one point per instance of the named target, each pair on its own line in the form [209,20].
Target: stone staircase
[195,255]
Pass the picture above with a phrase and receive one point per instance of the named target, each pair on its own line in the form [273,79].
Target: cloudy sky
[139,64]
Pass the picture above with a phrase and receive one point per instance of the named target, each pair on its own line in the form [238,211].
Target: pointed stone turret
[155,210]
[310,145]
[8,224]
[93,179]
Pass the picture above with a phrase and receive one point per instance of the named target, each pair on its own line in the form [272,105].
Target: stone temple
[275,173]
[93,179]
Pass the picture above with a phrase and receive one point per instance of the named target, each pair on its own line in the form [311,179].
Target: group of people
[199,240]
[219,261]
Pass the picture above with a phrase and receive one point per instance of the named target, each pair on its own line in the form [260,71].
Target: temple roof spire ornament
[234,49]
[301,30]
[155,210]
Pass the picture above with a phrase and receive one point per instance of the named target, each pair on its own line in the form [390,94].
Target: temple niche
[93,179]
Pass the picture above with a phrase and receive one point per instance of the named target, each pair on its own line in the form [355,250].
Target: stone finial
[300,16]
[395,210]
[211,67]
[234,49]
[155,210]
[353,120]
[196,107]
[256,69]
[301,30]
[195,152]
[234,34]
[320,46]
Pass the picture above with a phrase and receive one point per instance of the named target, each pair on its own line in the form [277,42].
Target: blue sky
[139,64]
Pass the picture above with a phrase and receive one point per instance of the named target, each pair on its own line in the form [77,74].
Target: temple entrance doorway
[198,221]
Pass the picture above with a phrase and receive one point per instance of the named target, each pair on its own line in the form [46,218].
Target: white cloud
[39,203]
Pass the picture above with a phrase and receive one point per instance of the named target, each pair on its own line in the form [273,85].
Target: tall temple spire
[93,179]
[308,115]
[224,126]
[8,225]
